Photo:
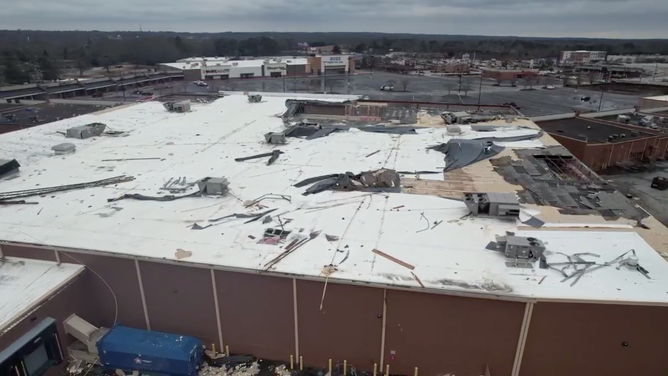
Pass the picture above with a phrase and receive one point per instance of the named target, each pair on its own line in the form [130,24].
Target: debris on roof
[275,138]
[62,188]
[378,180]
[8,166]
[552,176]
[86,131]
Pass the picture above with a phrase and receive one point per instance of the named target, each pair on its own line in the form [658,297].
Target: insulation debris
[268,196]
[182,253]
[383,180]
[461,153]
[331,238]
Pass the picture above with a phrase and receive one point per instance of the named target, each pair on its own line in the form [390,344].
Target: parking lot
[537,102]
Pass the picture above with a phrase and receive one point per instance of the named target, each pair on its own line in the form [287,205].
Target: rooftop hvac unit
[520,247]
[493,204]
[181,107]
[213,186]
[255,98]
[86,131]
[64,148]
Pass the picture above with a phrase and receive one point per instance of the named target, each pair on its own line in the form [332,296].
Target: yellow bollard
[301,363]
[292,362]
[213,349]
[387,370]
[227,350]
[416,373]
[345,367]
[330,367]
[375,369]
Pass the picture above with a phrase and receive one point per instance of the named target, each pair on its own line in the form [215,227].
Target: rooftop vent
[86,131]
[64,148]
[493,204]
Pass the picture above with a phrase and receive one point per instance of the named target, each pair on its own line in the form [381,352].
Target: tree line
[28,55]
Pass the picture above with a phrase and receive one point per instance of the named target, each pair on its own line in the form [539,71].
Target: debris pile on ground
[384,180]
[238,370]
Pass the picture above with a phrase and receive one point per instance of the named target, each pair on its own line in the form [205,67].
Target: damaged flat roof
[24,283]
[434,234]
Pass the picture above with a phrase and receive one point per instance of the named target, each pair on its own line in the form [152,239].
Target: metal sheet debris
[460,153]
[383,180]
[62,188]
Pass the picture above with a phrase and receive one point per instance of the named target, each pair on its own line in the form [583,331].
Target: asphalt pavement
[537,102]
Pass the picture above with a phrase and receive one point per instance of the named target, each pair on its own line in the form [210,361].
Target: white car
[200,83]
[550,87]
[387,87]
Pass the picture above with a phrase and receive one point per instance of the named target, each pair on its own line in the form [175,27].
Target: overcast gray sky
[550,18]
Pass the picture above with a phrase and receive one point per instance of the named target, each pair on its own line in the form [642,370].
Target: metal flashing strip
[143,296]
[524,330]
[215,301]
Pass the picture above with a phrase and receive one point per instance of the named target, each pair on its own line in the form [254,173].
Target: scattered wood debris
[417,279]
[396,260]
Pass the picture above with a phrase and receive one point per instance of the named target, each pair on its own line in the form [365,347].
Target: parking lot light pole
[480,91]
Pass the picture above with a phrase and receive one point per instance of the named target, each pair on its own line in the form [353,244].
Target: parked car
[98,94]
[200,83]
[387,87]
[549,87]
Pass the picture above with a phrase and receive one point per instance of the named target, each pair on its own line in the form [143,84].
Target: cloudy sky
[550,18]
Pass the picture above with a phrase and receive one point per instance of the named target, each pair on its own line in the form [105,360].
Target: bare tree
[405,82]
[465,87]
[450,86]
[591,77]
[528,82]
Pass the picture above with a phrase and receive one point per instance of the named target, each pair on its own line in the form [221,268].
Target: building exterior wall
[353,318]
[576,147]
[193,74]
[274,317]
[182,303]
[649,103]
[588,339]
[450,335]
[297,70]
[257,314]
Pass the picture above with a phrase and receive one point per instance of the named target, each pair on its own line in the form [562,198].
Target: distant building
[508,74]
[582,57]
[220,68]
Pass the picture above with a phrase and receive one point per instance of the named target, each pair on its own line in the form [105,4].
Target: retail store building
[402,277]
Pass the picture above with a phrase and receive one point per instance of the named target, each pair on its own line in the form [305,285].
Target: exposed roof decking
[451,257]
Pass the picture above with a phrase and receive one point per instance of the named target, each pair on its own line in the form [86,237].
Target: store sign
[276,68]
[217,71]
[333,60]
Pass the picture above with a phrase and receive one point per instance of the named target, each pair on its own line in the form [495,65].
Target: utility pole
[282,75]
[656,68]
[600,100]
